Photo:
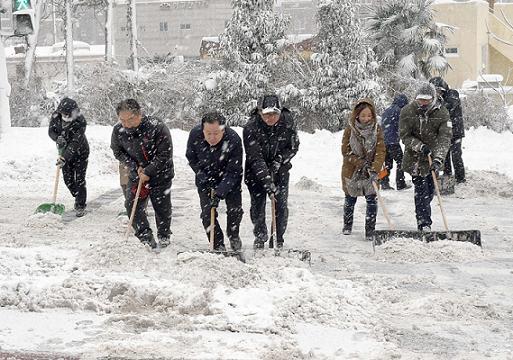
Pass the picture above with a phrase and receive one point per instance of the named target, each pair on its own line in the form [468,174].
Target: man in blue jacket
[390,125]
[214,152]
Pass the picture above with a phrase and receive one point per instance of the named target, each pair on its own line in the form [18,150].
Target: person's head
[364,112]
[270,109]
[425,97]
[129,113]
[213,124]
[439,84]
[68,109]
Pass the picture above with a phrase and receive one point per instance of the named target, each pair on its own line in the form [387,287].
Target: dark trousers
[371,212]
[455,153]
[394,153]
[160,196]
[257,212]
[424,192]
[74,174]
[234,214]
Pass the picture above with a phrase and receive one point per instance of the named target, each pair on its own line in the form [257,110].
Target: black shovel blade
[239,255]
[472,236]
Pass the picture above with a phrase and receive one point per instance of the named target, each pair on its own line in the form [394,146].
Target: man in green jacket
[425,130]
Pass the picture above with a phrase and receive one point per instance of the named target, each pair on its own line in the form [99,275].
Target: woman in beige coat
[363,150]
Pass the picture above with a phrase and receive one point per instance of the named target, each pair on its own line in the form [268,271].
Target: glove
[214,201]
[271,191]
[436,165]
[275,167]
[425,149]
[61,142]
[60,161]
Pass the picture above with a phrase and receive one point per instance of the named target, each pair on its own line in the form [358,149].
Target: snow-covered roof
[80,49]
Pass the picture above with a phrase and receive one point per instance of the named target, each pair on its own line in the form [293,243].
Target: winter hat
[439,83]
[426,92]
[66,106]
[271,104]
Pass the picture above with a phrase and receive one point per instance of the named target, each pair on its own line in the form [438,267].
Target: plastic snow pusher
[53,207]
[381,236]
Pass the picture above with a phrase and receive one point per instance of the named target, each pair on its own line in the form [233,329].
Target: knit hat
[271,104]
[426,92]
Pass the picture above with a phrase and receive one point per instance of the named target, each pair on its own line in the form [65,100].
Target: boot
[164,242]
[370,220]
[258,243]
[348,219]
[235,243]
[385,184]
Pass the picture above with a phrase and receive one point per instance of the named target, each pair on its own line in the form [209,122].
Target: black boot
[370,217]
[348,217]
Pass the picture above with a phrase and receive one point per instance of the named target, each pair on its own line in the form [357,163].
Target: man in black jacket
[271,141]
[214,152]
[451,99]
[144,145]
[67,128]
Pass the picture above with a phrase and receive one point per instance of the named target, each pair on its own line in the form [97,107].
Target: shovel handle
[134,208]
[212,233]
[437,189]
[382,204]
[56,185]
[273,222]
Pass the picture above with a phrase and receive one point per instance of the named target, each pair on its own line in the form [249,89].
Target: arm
[52,128]
[190,153]
[293,144]
[233,174]
[164,151]
[443,139]
[348,155]
[119,152]
[379,157]
[255,159]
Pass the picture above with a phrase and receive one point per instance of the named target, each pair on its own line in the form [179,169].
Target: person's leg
[447,162]
[457,158]
[140,223]
[234,214]
[349,203]
[389,164]
[370,217]
[423,196]
[257,214]
[160,196]
[204,195]
[80,184]
[68,175]
[399,174]
[123,178]
[282,210]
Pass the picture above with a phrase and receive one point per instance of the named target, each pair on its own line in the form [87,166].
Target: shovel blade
[239,255]
[50,207]
[472,236]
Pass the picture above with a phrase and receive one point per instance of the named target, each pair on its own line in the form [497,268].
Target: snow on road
[78,288]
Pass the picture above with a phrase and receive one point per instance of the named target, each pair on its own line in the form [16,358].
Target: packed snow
[75,287]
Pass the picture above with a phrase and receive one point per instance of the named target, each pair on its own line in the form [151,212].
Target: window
[451,52]
[185,26]
[163,26]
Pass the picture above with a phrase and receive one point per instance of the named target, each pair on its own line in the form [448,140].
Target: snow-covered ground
[75,287]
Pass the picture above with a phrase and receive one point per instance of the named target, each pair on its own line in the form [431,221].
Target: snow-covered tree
[343,66]
[407,41]
[249,54]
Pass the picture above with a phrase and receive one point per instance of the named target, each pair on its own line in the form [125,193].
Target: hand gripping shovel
[53,207]
[472,236]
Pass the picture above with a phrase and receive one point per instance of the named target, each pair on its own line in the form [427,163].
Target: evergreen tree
[343,66]
[249,57]
[407,41]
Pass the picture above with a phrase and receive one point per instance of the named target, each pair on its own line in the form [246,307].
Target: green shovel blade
[49,207]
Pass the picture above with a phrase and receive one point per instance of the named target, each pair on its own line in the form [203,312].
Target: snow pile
[48,221]
[308,184]
[486,184]
[404,250]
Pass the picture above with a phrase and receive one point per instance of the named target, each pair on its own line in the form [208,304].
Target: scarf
[363,140]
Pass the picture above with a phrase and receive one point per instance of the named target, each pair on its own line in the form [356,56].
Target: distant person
[214,151]
[450,98]
[425,131]
[363,151]
[271,141]
[143,144]
[390,126]
[67,128]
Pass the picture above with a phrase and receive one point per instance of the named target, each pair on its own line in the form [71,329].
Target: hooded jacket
[416,128]
[351,161]
[390,120]
[73,132]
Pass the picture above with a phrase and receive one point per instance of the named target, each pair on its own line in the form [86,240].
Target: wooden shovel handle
[437,188]
[56,185]
[134,208]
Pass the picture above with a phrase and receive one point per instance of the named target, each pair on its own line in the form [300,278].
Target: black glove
[214,201]
[60,161]
[275,167]
[271,191]
[436,165]
[61,142]
[425,149]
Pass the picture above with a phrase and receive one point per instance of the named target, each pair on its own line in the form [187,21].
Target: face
[424,102]
[66,117]
[213,133]
[129,120]
[365,116]
[271,118]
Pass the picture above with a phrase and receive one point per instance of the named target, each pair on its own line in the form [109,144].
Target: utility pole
[132,18]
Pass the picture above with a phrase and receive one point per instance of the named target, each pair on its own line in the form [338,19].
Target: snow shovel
[134,207]
[53,207]
[237,254]
[472,236]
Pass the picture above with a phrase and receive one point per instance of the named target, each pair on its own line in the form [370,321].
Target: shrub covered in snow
[481,109]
